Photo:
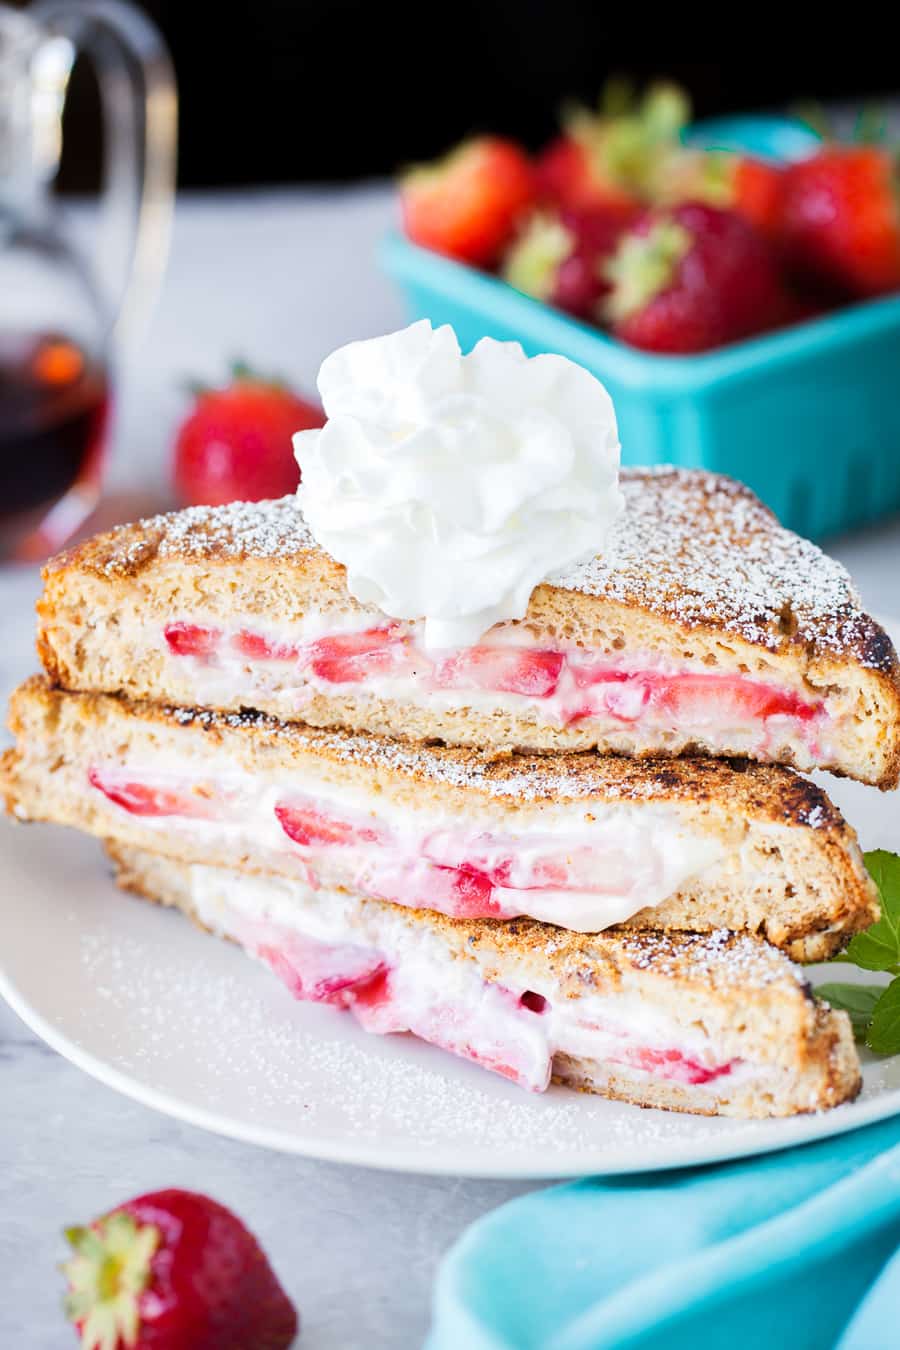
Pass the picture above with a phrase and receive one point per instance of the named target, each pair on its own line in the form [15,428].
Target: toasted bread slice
[719,1025]
[704,628]
[578,840]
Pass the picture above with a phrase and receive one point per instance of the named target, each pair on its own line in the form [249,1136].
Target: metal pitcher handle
[140,123]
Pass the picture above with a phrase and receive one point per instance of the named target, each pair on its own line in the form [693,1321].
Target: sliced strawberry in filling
[149,799]
[190,639]
[690,699]
[320,972]
[351,658]
[699,698]
[674,1065]
[509,670]
[460,892]
[258,648]
[305,824]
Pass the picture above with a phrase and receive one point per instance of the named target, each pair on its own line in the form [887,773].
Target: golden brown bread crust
[753,791]
[789,867]
[748,996]
[697,568]
[786,595]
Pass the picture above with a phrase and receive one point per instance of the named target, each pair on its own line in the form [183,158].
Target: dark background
[276,91]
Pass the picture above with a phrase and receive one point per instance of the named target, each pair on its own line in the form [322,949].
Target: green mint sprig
[875,1008]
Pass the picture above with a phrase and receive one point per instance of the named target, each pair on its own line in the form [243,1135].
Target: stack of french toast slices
[582,850]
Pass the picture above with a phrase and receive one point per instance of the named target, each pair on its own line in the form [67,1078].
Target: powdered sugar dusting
[717,958]
[271,529]
[702,549]
[691,546]
[268,529]
[549,778]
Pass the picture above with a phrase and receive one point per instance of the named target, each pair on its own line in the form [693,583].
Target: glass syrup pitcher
[65,314]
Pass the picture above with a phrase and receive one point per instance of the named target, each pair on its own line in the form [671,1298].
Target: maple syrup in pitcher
[67,310]
[54,401]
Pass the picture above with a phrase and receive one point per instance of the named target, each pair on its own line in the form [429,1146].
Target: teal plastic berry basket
[809,417]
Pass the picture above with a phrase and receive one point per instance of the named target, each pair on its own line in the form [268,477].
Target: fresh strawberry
[610,159]
[236,443]
[533,673]
[321,972]
[692,277]
[351,658]
[468,204]
[695,699]
[750,187]
[190,639]
[306,825]
[758,192]
[560,258]
[144,799]
[674,1065]
[840,220]
[174,1270]
[258,648]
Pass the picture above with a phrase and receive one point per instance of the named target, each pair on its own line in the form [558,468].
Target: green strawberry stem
[532,263]
[108,1272]
[643,266]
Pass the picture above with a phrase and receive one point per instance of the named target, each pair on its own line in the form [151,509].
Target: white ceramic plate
[188,1025]
[138,998]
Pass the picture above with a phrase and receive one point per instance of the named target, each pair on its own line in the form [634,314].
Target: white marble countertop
[280,279]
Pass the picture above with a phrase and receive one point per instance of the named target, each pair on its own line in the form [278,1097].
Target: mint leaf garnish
[858,1000]
[883,1035]
[878,948]
[875,1011]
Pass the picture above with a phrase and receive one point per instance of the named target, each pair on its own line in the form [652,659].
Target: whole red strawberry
[840,220]
[752,187]
[609,159]
[468,204]
[560,258]
[235,445]
[173,1270]
[692,277]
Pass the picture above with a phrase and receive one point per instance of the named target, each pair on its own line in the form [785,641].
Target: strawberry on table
[236,443]
[610,159]
[559,258]
[174,1270]
[468,204]
[692,277]
[840,220]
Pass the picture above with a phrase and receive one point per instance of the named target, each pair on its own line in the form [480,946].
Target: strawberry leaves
[875,1009]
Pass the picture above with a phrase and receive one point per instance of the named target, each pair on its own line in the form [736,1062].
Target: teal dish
[808,417]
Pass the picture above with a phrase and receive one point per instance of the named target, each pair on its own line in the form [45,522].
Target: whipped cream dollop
[449,486]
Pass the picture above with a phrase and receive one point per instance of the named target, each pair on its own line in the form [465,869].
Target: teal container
[808,417]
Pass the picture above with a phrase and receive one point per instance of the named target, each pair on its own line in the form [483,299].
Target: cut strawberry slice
[674,1065]
[322,973]
[190,639]
[350,658]
[471,893]
[148,799]
[588,673]
[699,698]
[312,828]
[510,670]
[258,648]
